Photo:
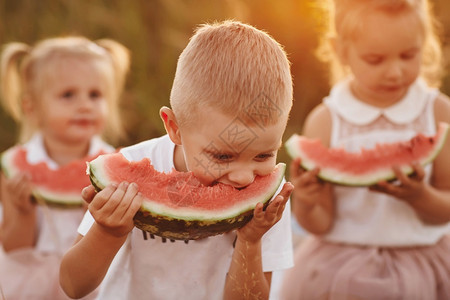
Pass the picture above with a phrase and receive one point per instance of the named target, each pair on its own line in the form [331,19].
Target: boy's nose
[241,178]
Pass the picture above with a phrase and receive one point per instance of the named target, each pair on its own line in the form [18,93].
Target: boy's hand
[309,189]
[18,189]
[114,207]
[406,188]
[263,220]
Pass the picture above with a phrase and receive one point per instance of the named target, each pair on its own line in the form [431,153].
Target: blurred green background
[156,31]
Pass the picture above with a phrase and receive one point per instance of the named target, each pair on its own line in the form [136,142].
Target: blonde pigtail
[120,56]
[433,66]
[10,79]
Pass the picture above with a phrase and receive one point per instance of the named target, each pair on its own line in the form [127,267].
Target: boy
[230,101]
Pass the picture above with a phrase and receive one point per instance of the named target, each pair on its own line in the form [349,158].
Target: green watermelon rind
[3,164]
[57,200]
[339,178]
[190,227]
[41,195]
[181,229]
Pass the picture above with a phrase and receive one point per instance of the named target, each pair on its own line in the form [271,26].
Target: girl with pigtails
[390,240]
[64,93]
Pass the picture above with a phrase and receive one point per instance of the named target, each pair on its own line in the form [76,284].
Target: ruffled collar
[36,152]
[360,113]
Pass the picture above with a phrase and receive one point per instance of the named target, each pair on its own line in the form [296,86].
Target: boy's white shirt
[370,218]
[151,269]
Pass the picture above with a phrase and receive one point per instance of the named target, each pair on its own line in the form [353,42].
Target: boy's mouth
[237,188]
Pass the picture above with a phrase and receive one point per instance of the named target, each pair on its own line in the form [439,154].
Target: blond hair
[344,17]
[236,69]
[23,69]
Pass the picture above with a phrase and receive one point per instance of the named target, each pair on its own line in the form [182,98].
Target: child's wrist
[108,233]
[249,241]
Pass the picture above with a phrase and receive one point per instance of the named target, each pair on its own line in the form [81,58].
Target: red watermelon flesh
[57,187]
[177,205]
[368,166]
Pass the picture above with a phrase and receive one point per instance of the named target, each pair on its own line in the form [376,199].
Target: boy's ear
[170,124]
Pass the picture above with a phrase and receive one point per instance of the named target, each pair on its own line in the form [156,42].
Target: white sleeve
[86,223]
[277,247]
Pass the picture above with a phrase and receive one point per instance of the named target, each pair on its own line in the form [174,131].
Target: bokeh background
[156,31]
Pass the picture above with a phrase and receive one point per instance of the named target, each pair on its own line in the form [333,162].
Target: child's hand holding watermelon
[417,193]
[263,220]
[18,188]
[114,207]
[406,188]
[312,198]
[17,208]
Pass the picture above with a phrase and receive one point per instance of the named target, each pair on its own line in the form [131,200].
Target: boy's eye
[264,156]
[222,157]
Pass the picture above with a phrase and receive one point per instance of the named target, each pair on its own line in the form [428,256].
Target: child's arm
[430,201]
[312,199]
[84,266]
[19,226]
[245,278]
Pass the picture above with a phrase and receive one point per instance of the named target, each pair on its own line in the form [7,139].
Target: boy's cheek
[206,175]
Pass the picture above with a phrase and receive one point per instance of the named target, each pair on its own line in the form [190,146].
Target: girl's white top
[150,268]
[364,217]
[57,226]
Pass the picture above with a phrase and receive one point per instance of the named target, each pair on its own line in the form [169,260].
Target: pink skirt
[326,270]
[28,274]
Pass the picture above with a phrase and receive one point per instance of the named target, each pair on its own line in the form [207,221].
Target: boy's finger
[88,193]
[103,197]
[134,206]
[128,198]
[116,198]
[276,204]
[258,211]
[287,189]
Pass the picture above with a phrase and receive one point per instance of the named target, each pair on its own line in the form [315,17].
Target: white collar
[36,152]
[360,113]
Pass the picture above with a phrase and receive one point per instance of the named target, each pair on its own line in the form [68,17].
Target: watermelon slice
[59,188]
[177,206]
[366,167]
